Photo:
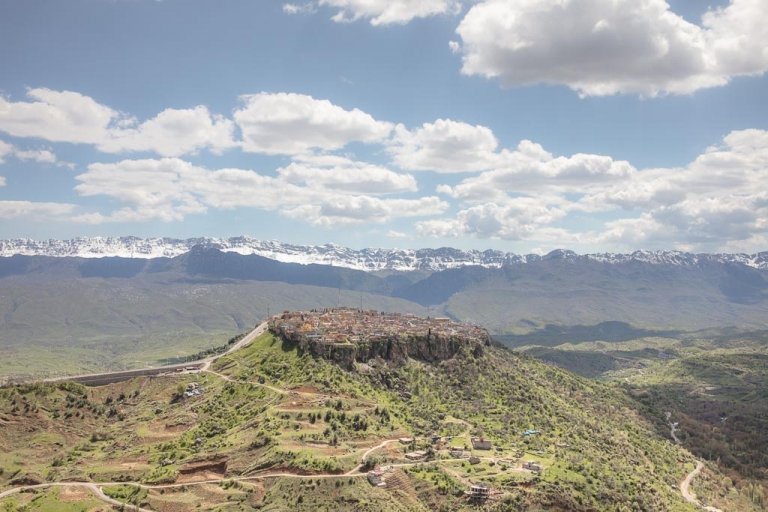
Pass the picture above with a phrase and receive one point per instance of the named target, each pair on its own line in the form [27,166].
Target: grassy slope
[715,387]
[599,454]
[720,400]
[51,327]
[519,299]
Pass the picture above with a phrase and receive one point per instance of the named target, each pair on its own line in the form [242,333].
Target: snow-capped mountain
[370,260]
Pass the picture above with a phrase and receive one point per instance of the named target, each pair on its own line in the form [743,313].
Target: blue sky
[527,125]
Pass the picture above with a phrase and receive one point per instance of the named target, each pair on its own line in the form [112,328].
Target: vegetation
[713,384]
[268,410]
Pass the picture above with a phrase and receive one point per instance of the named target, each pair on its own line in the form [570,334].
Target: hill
[711,384]
[273,427]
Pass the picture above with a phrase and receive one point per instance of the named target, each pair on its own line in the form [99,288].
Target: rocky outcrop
[213,464]
[394,349]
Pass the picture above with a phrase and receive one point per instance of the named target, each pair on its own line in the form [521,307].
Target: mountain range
[368,259]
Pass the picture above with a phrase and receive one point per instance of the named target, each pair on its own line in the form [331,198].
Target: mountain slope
[267,415]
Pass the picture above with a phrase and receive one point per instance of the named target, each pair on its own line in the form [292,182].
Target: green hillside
[67,326]
[275,430]
[713,384]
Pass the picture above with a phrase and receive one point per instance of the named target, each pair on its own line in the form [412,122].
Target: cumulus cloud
[329,193]
[444,146]
[516,219]
[44,156]
[358,209]
[35,210]
[38,155]
[173,132]
[719,197]
[340,173]
[66,116]
[531,169]
[289,124]
[386,12]
[604,47]
[307,8]
[58,116]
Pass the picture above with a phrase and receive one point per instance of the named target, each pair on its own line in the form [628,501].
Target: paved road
[104,378]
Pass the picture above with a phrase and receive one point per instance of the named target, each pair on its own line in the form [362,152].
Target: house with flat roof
[480,443]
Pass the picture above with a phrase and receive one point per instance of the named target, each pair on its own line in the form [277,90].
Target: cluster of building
[533,465]
[349,325]
[193,389]
[377,476]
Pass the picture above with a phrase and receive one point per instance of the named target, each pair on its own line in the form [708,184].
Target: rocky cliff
[393,349]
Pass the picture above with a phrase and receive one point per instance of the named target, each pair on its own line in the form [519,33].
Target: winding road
[685,489]
[685,485]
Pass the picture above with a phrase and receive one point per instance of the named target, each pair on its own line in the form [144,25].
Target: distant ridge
[370,260]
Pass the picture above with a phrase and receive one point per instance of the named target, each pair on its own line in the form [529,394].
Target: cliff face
[394,349]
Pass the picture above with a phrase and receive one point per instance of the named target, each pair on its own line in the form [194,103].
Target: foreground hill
[270,428]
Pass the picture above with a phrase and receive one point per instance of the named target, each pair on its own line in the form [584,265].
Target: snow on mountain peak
[371,259]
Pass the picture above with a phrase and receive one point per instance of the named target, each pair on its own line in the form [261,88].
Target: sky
[519,125]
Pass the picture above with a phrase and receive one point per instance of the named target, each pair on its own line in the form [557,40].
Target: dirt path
[672,427]
[367,453]
[95,489]
[685,489]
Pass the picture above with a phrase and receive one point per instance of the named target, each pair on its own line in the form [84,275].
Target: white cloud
[307,8]
[65,116]
[155,189]
[58,116]
[531,169]
[717,200]
[360,209]
[169,189]
[603,47]
[289,124]
[346,175]
[5,150]
[444,146]
[737,36]
[38,155]
[516,219]
[35,211]
[385,12]
[44,156]
[173,132]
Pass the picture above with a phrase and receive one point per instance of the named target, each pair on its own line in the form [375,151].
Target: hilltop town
[346,335]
